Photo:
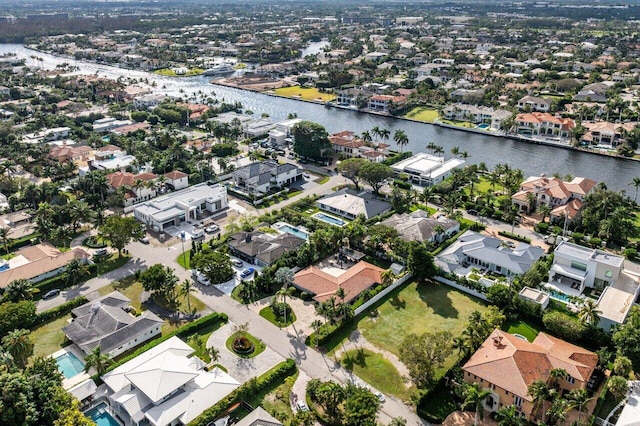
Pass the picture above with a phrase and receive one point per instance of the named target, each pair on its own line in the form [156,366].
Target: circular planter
[93,242]
[243,346]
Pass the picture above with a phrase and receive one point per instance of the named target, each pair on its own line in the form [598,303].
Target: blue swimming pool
[483,126]
[69,365]
[558,295]
[285,227]
[329,219]
[100,415]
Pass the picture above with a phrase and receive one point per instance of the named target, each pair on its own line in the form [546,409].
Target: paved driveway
[241,369]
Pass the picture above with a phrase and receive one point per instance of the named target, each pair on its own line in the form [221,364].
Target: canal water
[532,159]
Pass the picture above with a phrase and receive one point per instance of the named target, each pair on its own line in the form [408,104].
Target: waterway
[532,159]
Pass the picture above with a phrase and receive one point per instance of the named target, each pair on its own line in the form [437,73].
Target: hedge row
[249,389]
[60,310]
[183,331]
[514,236]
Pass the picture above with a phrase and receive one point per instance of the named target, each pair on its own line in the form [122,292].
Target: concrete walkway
[241,369]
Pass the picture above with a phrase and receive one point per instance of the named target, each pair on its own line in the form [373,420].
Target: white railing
[382,294]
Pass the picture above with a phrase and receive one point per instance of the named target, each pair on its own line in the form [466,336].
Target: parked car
[144,240]
[236,262]
[100,252]
[306,176]
[212,229]
[301,405]
[51,293]
[380,396]
[247,273]
[202,279]
[197,233]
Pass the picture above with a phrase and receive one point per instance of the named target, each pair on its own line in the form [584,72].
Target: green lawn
[306,93]
[376,370]
[171,73]
[422,114]
[48,338]
[200,342]
[439,405]
[275,398]
[482,187]
[522,328]
[112,263]
[267,313]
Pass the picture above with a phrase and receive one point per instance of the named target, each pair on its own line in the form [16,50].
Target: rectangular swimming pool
[285,227]
[69,365]
[100,415]
[329,219]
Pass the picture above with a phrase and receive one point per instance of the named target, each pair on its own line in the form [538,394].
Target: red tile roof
[355,280]
[118,179]
[176,174]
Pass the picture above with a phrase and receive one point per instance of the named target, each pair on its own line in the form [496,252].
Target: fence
[461,288]
[382,294]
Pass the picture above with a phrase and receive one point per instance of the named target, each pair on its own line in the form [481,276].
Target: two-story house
[140,187]
[260,178]
[507,365]
[177,180]
[534,103]
[543,124]
[565,198]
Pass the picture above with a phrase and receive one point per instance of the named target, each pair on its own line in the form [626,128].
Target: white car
[301,406]
[380,396]
[237,262]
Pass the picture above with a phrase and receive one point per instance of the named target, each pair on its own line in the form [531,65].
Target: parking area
[238,267]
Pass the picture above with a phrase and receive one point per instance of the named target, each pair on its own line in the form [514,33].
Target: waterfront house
[476,114]
[543,124]
[384,103]
[279,135]
[474,250]
[425,169]
[148,101]
[565,198]
[165,386]
[507,365]
[534,103]
[605,133]
[107,323]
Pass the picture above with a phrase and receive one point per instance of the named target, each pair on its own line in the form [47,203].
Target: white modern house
[184,205]
[105,323]
[148,101]
[282,131]
[426,169]
[165,386]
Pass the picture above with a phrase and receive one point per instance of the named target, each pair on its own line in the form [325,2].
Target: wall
[382,294]
[460,287]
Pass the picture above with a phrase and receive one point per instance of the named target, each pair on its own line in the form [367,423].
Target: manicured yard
[459,123]
[306,93]
[171,73]
[376,370]
[482,187]
[422,114]
[199,343]
[522,328]
[259,347]
[267,313]
[49,337]
[112,263]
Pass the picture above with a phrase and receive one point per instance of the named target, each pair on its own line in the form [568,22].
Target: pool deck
[79,378]
[344,221]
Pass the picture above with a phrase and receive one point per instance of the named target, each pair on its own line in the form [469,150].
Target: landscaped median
[248,390]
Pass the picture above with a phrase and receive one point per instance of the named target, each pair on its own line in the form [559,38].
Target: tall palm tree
[589,312]
[578,398]
[636,184]
[19,345]
[385,134]
[455,151]
[4,239]
[558,410]
[401,139]
[19,289]
[545,210]
[98,360]
[284,277]
[366,137]
[375,132]
[185,291]
[341,295]
[214,353]
[509,416]
[316,324]
[557,374]
[438,150]
[540,392]
[474,396]
[74,270]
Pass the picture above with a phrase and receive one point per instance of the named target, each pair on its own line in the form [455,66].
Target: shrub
[401,184]
[631,253]
[563,325]
[542,228]
[515,236]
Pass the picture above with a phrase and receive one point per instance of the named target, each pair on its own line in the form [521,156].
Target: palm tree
[578,398]
[589,312]
[214,353]
[341,295]
[401,139]
[636,184]
[455,151]
[19,345]
[509,416]
[557,374]
[185,291]
[431,146]
[316,326]
[474,396]
[438,150]
[617,385]
[19,289]
[284,277]
[98,360]
[366,137]
[545,209]
[4,239]
[540,392]
[622,366]
[376,132]
[74,270]
[558,410]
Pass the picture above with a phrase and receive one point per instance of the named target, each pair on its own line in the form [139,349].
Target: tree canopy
[311,140]
[375,174]
[424,354]
[214,265]
[120,231]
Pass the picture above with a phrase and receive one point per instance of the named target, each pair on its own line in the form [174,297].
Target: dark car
[51,293]
[247,273]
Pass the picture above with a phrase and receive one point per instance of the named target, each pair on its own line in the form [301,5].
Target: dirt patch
[255,83]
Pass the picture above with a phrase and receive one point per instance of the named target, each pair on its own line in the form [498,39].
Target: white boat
[221,69]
